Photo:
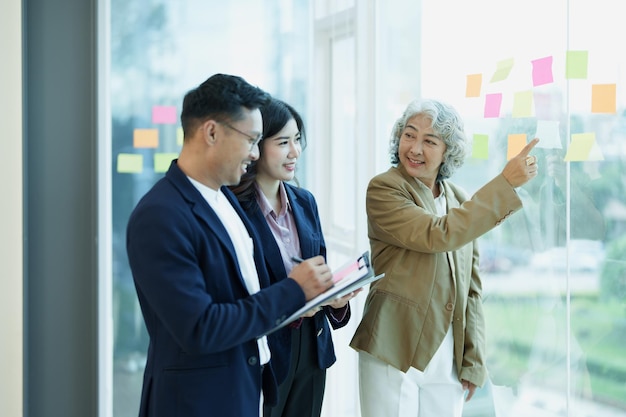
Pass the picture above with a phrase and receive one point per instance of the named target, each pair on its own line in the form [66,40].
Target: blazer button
[449,306]
[252,360]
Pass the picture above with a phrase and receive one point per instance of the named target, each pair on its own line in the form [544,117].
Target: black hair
[222,97]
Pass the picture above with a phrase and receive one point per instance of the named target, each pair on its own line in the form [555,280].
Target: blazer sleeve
[187,282]
[391,200]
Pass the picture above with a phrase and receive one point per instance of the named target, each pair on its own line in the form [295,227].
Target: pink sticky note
[492,104]
[164,114]
[542,71]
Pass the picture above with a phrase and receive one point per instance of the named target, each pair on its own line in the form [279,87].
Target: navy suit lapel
[302,225]
[273,258]
[203,211]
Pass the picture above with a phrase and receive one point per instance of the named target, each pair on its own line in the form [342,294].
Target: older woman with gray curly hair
[421,338]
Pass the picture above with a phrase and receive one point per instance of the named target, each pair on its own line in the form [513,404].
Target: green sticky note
[162,161]
[503,69]
[179,136]
[523,104]
[581,146]
[128,163]
[480,147]
[576,64]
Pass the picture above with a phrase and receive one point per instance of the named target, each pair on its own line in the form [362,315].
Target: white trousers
[388,392]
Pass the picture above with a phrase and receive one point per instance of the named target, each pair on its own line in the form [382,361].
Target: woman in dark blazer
[287,219]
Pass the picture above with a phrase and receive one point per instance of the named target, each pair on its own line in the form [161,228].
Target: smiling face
[420,150]
[235,147]
[280,154]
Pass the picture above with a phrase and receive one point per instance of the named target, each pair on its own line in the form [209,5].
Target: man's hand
[522,167]
[313,275]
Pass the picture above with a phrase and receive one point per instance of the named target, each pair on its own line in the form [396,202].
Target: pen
[297,260]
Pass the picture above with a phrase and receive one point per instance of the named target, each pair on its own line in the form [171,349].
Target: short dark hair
[222,97]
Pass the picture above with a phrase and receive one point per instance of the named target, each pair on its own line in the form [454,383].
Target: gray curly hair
[447,124]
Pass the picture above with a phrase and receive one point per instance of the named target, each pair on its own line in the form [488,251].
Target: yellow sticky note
[480,147]
[517,141]
[603,98]
[146,138]
[179,136]
[503,69]
[473,84]
[523,104]
[129,163]
[581,146]
[576,64]
[163,160]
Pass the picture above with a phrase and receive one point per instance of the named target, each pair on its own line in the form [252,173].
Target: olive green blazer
[431,271]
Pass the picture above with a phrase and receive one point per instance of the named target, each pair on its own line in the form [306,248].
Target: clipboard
[349,277]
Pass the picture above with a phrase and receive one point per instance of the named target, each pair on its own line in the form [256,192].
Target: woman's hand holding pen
[313,276]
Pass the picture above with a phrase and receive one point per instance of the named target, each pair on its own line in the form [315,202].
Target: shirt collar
[266,207]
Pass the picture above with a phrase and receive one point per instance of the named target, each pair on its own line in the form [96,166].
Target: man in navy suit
[198,267]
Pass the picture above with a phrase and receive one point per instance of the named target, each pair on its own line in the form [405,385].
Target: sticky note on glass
[603,98]
[583,147]
[548,134]
[164,115]
[129,163]
[523,104]
[480,146]
[492,104]
[163,160]
[542,71]
[576,64]
[146,138]
[179,136]
[516,143]
[473,85]
[503,69]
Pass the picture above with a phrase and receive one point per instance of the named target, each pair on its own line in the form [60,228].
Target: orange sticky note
[603,98]
[146,138]
[517,141]
[473,84]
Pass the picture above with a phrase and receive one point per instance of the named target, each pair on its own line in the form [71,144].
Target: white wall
[11,211]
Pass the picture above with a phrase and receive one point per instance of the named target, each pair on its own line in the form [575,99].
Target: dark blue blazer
[312,243]
[203,358]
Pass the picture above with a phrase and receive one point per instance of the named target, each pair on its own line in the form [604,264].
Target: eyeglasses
[252,140]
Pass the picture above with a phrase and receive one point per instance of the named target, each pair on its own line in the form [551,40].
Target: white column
[11,211]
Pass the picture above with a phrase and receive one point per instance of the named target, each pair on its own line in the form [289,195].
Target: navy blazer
[203,358]
[306,216]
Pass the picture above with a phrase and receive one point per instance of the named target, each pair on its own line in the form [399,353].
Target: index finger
[529,146]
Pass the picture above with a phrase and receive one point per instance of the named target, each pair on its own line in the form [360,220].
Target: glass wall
[159,50]
[554,274]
